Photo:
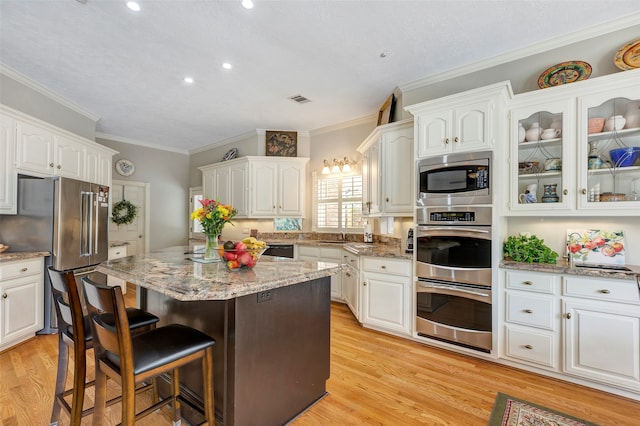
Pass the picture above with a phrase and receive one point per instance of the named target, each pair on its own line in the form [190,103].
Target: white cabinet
[8,175]
[21,300]
[325,254]
[387,170]
[585,179]
[462,122]
[277,187]
[227,182]
[531,314]
[585,329]
[386,294]
[258,187]
[41,151]
[351,282]
[98,165]
[602,330]
[117,252]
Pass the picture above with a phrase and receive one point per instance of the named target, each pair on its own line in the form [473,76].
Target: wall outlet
[245,230]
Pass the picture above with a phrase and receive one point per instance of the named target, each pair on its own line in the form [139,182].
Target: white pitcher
[533,133]
[529,194]
[633,114]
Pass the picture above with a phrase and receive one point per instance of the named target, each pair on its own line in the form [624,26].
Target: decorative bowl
[610,196]
[596,125]
[241,259]
[625,157]
[3,248]
[528,167]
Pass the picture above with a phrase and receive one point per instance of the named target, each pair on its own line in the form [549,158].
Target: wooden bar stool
[131,359]
[74,332]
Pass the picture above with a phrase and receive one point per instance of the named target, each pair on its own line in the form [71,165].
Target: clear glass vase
[211,248]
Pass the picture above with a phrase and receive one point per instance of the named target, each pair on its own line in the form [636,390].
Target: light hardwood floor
[376,379]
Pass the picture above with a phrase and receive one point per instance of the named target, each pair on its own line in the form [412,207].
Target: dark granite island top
[271,325]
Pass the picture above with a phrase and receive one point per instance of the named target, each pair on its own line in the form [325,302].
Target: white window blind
[339,203]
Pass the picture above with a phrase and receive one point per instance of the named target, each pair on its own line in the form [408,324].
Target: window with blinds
[339,203]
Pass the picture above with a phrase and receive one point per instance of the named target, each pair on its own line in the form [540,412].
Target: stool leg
[61,378]
[175,390]
[207,377]
[100,402]
[79,377]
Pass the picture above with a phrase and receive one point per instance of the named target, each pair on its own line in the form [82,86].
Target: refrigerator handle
[85,241]
[95,225]
[91,225]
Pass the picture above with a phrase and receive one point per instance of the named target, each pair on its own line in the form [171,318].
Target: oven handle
[452,228]
[456,291]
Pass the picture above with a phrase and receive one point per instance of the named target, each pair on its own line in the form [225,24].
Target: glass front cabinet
[542,137]
[609,150]
[575,149]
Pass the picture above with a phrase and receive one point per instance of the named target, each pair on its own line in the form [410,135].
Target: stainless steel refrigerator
[66,217]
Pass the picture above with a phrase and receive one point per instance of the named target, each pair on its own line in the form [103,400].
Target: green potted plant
[528,248]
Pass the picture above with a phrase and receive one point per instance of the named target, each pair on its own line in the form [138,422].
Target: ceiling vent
[299,99]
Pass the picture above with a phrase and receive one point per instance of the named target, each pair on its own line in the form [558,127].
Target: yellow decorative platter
[628,57]
[564,73]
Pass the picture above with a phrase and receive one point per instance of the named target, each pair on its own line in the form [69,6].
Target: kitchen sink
[332,242]
[606,267]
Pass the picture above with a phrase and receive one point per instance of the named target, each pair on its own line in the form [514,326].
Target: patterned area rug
[510,411]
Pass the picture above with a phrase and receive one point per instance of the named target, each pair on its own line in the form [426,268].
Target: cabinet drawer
[117,252]
[386,266]
[20,269]
[350,259]
[533,346]
[531,310]
[530,281]
[626,291]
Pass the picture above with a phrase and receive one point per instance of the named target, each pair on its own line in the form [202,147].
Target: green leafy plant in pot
[528,248]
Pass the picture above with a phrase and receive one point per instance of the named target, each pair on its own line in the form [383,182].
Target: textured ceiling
[127,68]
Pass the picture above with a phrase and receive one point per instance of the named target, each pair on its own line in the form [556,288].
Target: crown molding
[533,49]
[139,143]
[26,81]
[346,124]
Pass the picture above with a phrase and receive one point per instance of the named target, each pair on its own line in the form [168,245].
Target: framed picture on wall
[281,144]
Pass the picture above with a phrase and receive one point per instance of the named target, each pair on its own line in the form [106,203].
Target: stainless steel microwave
[455,179]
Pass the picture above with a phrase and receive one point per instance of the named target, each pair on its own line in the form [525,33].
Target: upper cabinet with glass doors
[609,149]
[575,149]
[542,138]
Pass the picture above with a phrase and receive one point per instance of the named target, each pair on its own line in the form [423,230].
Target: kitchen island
[271,325]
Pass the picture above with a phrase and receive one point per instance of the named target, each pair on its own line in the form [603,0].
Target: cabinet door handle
[604,291]
[59,167]
[387,199]
[568,315]
[584,191]
[528,346]
[456,140]
[51,164]
[24,269]
[527,283]
[117,253]
[446,141]
[527,311]
[364,283]
[383,267]
[565,192]
[348,274]
[4,295]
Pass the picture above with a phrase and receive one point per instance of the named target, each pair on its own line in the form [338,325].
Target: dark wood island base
[272,350]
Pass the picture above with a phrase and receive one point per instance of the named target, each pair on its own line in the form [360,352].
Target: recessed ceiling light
[133,6]
[247,4]
[226,66]
[188,80]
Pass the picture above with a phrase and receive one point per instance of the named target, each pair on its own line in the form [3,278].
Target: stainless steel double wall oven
[453,250]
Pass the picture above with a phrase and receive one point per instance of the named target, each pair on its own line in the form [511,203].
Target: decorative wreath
[123,212]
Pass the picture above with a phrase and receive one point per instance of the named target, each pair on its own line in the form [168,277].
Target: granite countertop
[171,273]
[562,267]
[11,256]
[379,249]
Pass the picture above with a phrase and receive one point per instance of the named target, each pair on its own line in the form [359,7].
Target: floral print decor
[596,246]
